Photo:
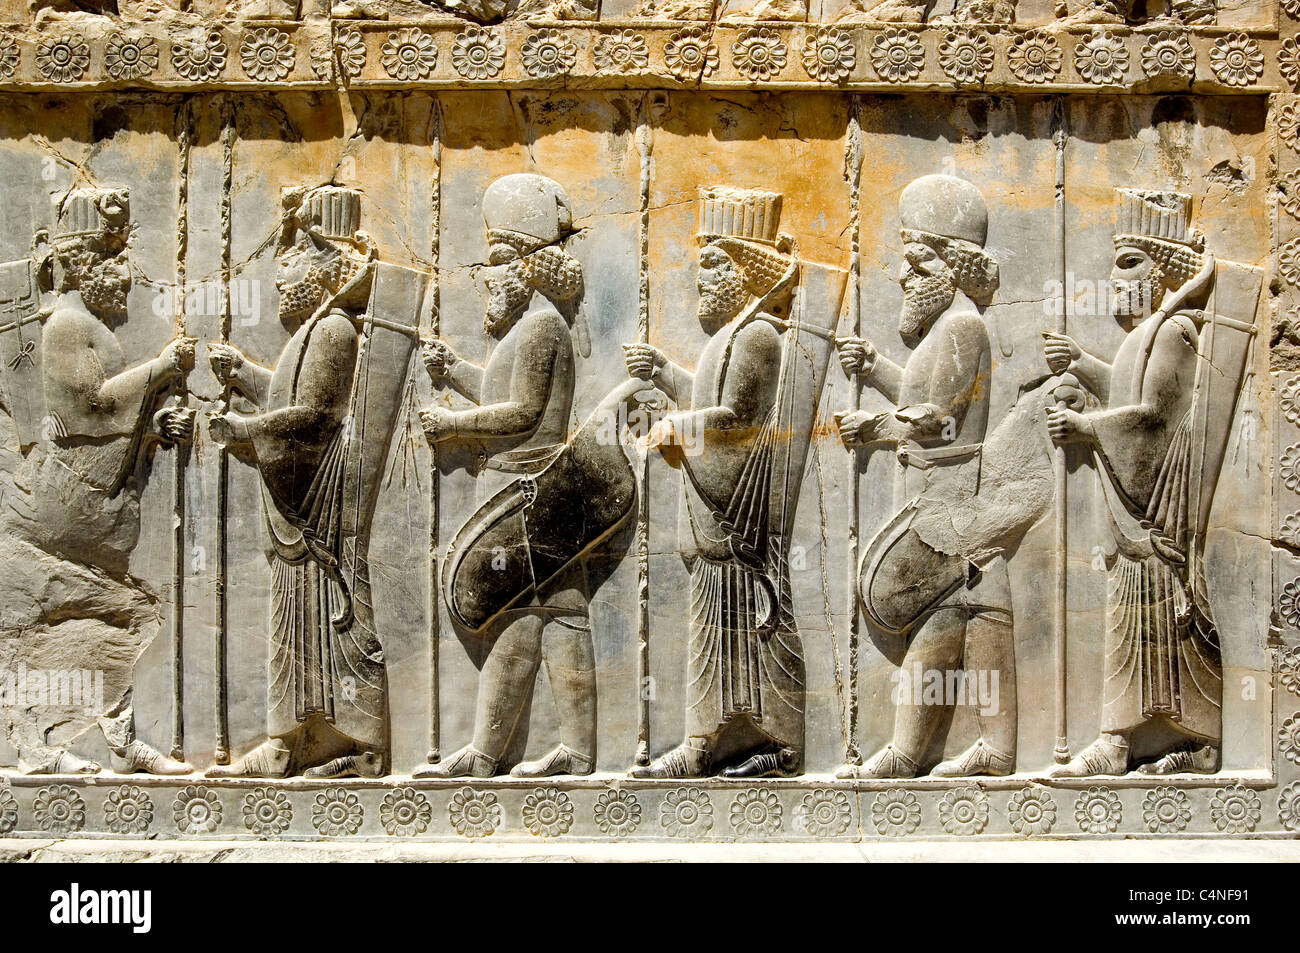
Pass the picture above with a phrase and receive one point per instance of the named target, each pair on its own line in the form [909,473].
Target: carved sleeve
[530,388]
[324,384]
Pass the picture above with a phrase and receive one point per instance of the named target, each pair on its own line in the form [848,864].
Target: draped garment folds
[326,657]
[744,656]
[1162,650]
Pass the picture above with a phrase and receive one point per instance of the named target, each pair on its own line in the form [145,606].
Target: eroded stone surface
[716,423]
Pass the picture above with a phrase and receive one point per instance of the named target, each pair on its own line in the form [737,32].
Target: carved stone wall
[649,421]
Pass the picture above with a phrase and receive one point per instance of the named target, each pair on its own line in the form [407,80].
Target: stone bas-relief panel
[458,421]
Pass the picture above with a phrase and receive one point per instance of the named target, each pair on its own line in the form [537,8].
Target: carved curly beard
[327,273]
[1135,298]
[104,290]
[508,294]
[722,300]
[924,298]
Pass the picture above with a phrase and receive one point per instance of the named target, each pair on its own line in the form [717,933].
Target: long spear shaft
[223,458]
[644,143]
[1062,750]
[184,120]
[852,754]
[435,489]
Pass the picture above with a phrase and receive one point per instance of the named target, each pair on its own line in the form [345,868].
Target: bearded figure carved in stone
[318,433]
[942,586]
[1170,396]
[741,430]
[87,424]
[516,580]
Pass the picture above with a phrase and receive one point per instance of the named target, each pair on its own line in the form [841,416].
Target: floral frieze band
[647,55]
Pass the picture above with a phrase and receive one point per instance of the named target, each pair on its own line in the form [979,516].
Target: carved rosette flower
[1288,196]
[1288,601]
[964,811]
[474,813]
[548,812]
[1098,811]
[409,54]
[824,812]
[1288,668]
[1288,738]
[128,810]
[8,811]
[267,812]
[196,810]
[621,51]
[1292,7]
[8,56]
[267,55]
[1165,810]
[1031,811]
[966,56]
[1101,58]
[1288,62]
[758,54]
[1168,53]
[756,811]
[477,53]
[201,58]
[690,55]
[1288,263]
[618,813]
[350,51]
[1288,125]
[337,811]
[548,54]
[686,812]
[130,57]
[1237,60]
[59,809]
[895,813]
[1035,57]
[405,812]
[829,55]
[1288,806]
[63,59]
[321,55]
[897,55]
[1236,809]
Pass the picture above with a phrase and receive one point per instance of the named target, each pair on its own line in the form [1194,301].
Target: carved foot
[980,758]
[1100,757]
[1089,16]
[138,756]
[468,762]
[268,760]
[684,761]
[560,760]
[64,762]
[364,765]
[1185,760]
[771,764]
[888,762]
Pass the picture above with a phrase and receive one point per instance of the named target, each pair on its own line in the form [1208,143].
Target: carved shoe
[684,761]
[560,760]
[138,756]
[364,765]
[770,764]
[1100,757]
[468,762]
[887,11]
[270,759]
[979,758]
[1185,760]
[888,762]
[62,762]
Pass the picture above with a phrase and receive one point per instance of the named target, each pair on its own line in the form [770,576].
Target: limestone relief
[649,419]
